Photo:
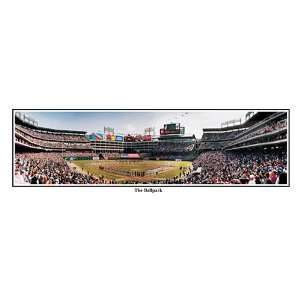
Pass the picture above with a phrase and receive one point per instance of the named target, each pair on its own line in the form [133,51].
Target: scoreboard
[172,128]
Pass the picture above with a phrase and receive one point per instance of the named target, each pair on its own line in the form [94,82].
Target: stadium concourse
[252,153]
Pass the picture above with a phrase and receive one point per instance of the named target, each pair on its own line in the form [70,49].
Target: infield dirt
[116,169]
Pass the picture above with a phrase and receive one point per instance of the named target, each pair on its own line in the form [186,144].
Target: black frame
[148,185]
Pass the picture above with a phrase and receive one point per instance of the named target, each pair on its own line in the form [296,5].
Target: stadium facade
[262,129]
[31,137]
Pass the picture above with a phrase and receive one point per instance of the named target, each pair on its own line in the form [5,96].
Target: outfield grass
[170,169]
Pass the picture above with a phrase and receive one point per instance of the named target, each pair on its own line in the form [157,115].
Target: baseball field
[138,170]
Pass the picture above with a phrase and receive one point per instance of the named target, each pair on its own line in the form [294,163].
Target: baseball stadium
[250,150]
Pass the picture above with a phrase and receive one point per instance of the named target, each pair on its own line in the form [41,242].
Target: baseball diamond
[143,171]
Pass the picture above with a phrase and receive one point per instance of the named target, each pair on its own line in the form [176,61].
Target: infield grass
[99,168]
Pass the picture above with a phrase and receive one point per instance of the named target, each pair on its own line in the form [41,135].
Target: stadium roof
[259,116]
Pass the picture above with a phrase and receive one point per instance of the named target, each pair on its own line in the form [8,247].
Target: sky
[134,121]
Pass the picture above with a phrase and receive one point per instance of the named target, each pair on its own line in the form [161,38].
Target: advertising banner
[94,137]
[138,138]
[129,138]
[119,138]
[109,130]
[147,138]
[100,135]
[133,155]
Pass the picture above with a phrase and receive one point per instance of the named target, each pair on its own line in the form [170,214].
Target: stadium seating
[255,154]
[50,141]
[175,147]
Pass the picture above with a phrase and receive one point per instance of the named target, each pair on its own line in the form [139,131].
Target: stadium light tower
[149,131]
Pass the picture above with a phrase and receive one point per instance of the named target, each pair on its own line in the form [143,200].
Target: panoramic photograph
[150,147]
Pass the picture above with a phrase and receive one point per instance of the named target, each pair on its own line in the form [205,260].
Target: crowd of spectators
[255,167]
[78,154]
[49,144]
[27,143]
[53,136]
[175,147]
[268,128]
[218,141]
[219,136]
[212,145]
[212,167]
[48,168]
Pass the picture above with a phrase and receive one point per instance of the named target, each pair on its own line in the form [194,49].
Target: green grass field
[167,169]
